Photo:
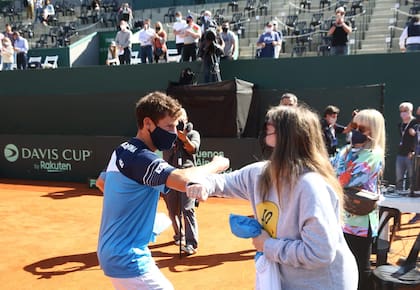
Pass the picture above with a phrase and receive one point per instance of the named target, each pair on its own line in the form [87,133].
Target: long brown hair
[299,148]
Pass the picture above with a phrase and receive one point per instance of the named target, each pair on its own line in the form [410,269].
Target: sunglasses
[361,128]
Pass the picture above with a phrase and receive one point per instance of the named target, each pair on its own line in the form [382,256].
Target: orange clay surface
[49,230]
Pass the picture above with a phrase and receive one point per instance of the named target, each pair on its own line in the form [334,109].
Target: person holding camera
[181,209]
[339,32]
[210,51]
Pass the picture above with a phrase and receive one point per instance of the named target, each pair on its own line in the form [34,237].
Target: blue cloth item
[243,226]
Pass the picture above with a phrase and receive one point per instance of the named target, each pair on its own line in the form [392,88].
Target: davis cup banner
[81,158]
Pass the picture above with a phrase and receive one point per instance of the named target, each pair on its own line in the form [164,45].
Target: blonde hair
[299,148]
[374,121]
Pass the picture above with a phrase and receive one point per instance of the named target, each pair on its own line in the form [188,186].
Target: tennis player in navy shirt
[135,177]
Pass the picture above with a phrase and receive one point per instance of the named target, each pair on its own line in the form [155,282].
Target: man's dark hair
[331,110]
[156,106]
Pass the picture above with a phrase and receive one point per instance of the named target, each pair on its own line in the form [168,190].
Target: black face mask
[157,29]
[162,139]
[188,21]
[418,118]
[224,30]
[357,137]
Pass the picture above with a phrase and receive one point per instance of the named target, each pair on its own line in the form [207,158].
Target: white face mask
[122,27]
[178,19]
[405,115]
[268,29]
[206,18]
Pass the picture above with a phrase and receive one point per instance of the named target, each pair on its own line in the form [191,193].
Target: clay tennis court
[49,230]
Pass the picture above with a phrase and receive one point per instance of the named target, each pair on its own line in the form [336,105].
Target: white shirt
[146,36]
[179,26]
[404,39]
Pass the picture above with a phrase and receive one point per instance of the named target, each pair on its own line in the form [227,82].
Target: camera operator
[181,209]
[211,50]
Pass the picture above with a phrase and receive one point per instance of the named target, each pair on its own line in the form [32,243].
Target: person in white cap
[112,57]
[339,31]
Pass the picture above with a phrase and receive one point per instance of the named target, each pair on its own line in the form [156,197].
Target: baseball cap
[190,16]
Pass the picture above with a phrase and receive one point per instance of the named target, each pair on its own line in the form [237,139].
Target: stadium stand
[376,24]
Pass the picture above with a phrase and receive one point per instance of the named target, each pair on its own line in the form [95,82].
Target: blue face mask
[162,139]
[357,137]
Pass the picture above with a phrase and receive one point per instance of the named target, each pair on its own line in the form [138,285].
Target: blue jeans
[339,50]
[413,47]
[403,166]
[146,52]
[7,66]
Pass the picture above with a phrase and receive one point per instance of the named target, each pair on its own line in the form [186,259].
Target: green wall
[100,100]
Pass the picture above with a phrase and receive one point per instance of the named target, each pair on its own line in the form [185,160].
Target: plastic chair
[50,61]
[392,277]
[380,245]
[135,59]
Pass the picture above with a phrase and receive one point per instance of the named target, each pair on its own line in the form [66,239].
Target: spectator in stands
[339,31]
[267,42]
[288,99]
[211,51]
[229,41]
[29,9]
[146,37]
[123,41]
[330,129]
[159,43]
[179,27]
[9,33]
[7,54]
[406,147]
[192,35]
[410,37]
[48,13]
[95,6]
[181,208]
[21,48]
[207,22]
[112,57]
[39,8]
[125,13]
[277,48]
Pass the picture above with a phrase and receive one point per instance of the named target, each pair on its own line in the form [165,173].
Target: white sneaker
[189,250]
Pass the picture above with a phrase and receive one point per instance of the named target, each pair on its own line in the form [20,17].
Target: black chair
[392,277]
[263,7]
[381,246]
[357,4]
[298,50]
[316,19]
[291,22]
[170,14]
[305,3]
[219,16]
[234,6]
[250,7]
[322,4]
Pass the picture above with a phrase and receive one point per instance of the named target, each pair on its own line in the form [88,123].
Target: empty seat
[50,61]
[135,59]
[170,15]
[405,276]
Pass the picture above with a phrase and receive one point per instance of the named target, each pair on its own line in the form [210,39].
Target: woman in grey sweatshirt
[296,198]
